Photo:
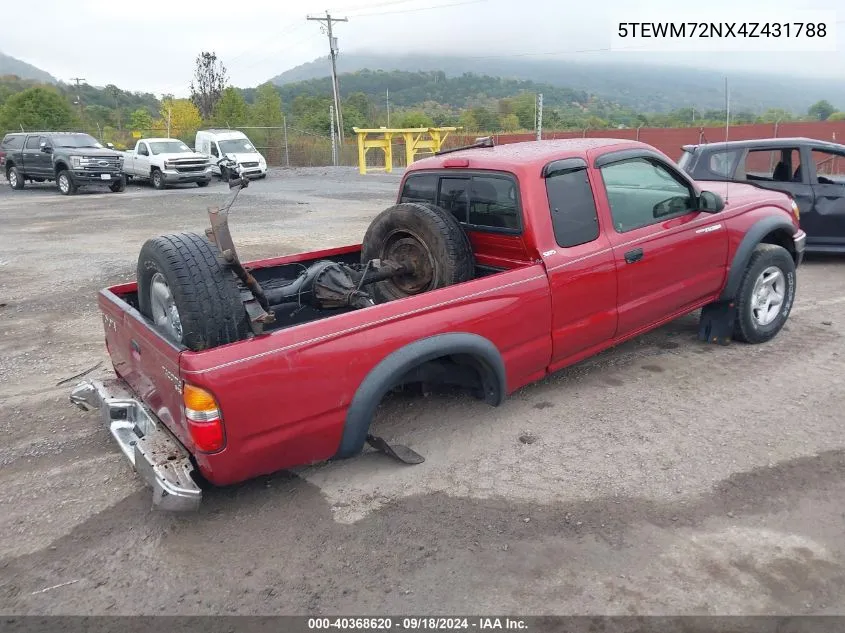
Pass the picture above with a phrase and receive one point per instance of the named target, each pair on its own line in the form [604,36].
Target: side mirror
[46,148]
[110,145]
[710,202]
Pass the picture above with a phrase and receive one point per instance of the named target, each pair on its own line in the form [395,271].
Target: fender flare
[753,237]
[383,377]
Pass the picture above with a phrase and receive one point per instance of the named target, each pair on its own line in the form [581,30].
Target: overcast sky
[152,47]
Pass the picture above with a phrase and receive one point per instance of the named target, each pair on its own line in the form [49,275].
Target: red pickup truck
[576,246]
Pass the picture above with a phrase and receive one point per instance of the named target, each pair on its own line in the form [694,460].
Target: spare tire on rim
[428,240]
[189,295]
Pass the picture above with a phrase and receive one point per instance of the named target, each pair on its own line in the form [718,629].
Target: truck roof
[526,153]
[159,140]
[218,132]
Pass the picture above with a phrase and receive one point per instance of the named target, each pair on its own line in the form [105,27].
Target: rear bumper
[800,241]
[157,456]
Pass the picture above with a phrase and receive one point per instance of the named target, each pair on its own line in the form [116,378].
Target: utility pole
[540,116]
[387,93]
[78,96]
[334,146]
[327,23]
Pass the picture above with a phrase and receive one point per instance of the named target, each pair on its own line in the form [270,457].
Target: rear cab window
[12,141]
[571,203]
[480,200]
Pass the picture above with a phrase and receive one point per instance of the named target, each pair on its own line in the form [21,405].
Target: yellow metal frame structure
[417,139]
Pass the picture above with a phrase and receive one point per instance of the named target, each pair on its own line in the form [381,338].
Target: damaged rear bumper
[156,454]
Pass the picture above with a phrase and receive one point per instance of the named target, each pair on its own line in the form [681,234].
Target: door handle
[634,255]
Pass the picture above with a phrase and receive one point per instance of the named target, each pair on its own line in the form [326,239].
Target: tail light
[204,421]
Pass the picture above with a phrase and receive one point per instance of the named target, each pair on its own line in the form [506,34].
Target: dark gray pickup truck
[809,170]
[70,159]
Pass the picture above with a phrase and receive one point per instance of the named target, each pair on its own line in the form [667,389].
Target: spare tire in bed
[189,295]
[426,239]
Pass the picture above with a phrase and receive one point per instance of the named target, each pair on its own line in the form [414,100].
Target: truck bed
[299,348]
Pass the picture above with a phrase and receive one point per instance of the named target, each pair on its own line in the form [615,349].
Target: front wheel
[158,179]
[15,179]
[118,186]
[65,182]
[203,183]
[766,294]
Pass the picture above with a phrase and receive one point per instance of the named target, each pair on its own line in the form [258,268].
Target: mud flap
[396,451]
[717,322]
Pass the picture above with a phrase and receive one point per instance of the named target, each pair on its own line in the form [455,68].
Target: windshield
[169,147]
[236,146]
[76,140]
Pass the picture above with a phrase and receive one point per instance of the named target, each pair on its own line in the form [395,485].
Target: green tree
[837,116]
[267,109]
[415,118]
[37,108]
[525,108]
[140,120]
[509,122]
[773,115]
[468,121]
[231,109]
[360,102]
[821,110]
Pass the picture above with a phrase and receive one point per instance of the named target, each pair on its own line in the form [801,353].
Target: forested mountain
[644,88]
[12,66]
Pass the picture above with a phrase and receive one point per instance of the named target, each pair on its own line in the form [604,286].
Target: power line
[439,6]
[327,23]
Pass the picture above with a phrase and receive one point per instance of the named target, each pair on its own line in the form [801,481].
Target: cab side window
[214,151]
[830,168]
[573,208]
[32,142]
[142,150]
[643,192]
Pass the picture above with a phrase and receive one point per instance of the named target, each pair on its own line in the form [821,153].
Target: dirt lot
[667,476]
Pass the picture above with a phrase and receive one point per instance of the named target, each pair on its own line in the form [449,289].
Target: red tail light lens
[205,423]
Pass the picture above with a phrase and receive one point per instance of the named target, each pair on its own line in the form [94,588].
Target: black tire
[118,186]
[15,178]
[203,183]
[770,260]
[224,174]
[428,239]
[157,178]
[64,181]
[205,293]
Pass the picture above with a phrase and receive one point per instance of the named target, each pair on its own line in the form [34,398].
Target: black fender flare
[753,237]
[383,376]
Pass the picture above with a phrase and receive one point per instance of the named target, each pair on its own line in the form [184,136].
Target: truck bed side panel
[284,396]
[146,361]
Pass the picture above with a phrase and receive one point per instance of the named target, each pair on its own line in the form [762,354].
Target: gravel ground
[664,476]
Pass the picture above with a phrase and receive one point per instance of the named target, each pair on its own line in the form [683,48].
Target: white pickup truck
[166,161]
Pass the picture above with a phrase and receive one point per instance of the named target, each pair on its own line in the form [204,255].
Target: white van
[234,145]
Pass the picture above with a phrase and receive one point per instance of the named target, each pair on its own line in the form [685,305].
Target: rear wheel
[427,241]
[65,182]
[188,294]
[766,294]
[15,178]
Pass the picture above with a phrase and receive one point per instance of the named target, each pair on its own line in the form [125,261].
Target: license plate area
[105,176]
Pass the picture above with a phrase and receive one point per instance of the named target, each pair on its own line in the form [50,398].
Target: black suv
[809,170]
[72,159]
